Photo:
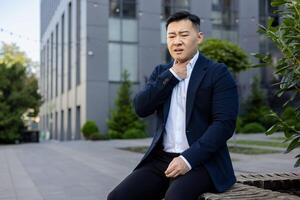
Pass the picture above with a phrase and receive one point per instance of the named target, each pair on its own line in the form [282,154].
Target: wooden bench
[285,186]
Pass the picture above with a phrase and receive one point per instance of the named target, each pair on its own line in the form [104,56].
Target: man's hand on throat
[180,69]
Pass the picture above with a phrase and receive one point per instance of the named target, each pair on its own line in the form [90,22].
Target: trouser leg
[190,186]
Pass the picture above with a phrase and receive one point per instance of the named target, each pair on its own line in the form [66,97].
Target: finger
[173,174]
[170,169]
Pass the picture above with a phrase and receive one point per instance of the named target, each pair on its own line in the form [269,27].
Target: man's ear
[200,37]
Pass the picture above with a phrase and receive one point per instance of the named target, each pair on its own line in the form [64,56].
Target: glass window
[114,8]
[123,56]
[172,6]
[122,8]
[114,28]
[224,19]
[114,59]
[124,37]
[129,9]
[129,58]
[224,13]
[129,33]
[122,23]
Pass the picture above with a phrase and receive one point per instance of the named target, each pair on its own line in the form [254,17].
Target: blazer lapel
[195,80]
[166,107]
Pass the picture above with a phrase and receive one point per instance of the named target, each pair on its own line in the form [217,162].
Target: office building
[87,43]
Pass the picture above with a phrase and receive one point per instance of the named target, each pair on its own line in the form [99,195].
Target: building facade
[86,44]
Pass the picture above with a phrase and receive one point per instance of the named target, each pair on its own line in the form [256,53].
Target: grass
[279,138]
[251,150]
[140,149]
[259,143]
[232,149]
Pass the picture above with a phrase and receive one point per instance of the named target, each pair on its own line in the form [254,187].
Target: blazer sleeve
[224,114]
[156,91]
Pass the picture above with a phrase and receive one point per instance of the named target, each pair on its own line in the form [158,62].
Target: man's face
[183,40]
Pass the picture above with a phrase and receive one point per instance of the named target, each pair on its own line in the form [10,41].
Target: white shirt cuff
[174,73]
[186,162]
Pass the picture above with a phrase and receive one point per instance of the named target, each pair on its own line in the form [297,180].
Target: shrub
[123,117]
[256,108]
[134,133]
[239,123]
[90,129]
[253,127]
[114,134]
[224,51]
[286,38]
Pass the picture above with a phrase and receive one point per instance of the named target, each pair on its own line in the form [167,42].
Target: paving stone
[88,170]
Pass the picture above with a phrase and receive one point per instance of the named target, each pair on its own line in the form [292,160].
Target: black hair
[180,15]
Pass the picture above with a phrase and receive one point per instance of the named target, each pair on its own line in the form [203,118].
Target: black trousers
[150,183]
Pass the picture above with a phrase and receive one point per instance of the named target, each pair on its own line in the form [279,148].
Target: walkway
[84,170]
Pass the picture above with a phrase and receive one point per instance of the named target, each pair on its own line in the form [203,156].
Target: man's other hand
[176,167]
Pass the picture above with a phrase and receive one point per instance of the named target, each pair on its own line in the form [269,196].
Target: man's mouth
[178,51]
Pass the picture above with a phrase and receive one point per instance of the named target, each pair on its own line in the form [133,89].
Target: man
[196,104]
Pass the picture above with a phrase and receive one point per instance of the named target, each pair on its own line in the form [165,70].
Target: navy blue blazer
[211,112]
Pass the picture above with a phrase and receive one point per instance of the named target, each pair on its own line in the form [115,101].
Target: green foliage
[253,127]
[134,133]
[239,124]
[11,55]
[90,129]
[18,94]
[123,118]
[224,51]
[286,37]
[256,109]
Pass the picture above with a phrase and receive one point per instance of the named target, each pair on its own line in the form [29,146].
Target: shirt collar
[193,61]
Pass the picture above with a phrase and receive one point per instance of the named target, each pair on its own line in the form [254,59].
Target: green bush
[239,124]
[114,134]
[224,51]
[253,127]
[134,133]
[89,129]
[10,137]
[122,117]
[256,108]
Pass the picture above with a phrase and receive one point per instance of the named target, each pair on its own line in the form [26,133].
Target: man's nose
[177,41]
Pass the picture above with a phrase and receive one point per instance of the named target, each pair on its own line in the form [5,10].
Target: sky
[20,24]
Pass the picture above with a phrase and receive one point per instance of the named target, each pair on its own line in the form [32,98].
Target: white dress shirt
[174,139]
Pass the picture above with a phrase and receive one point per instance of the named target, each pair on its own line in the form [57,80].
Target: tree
[226,52]
[123,122]
[286,36]
[18,93]
[10,54]
[256,109]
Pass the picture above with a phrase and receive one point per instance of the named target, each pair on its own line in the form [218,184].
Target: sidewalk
[84,170]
